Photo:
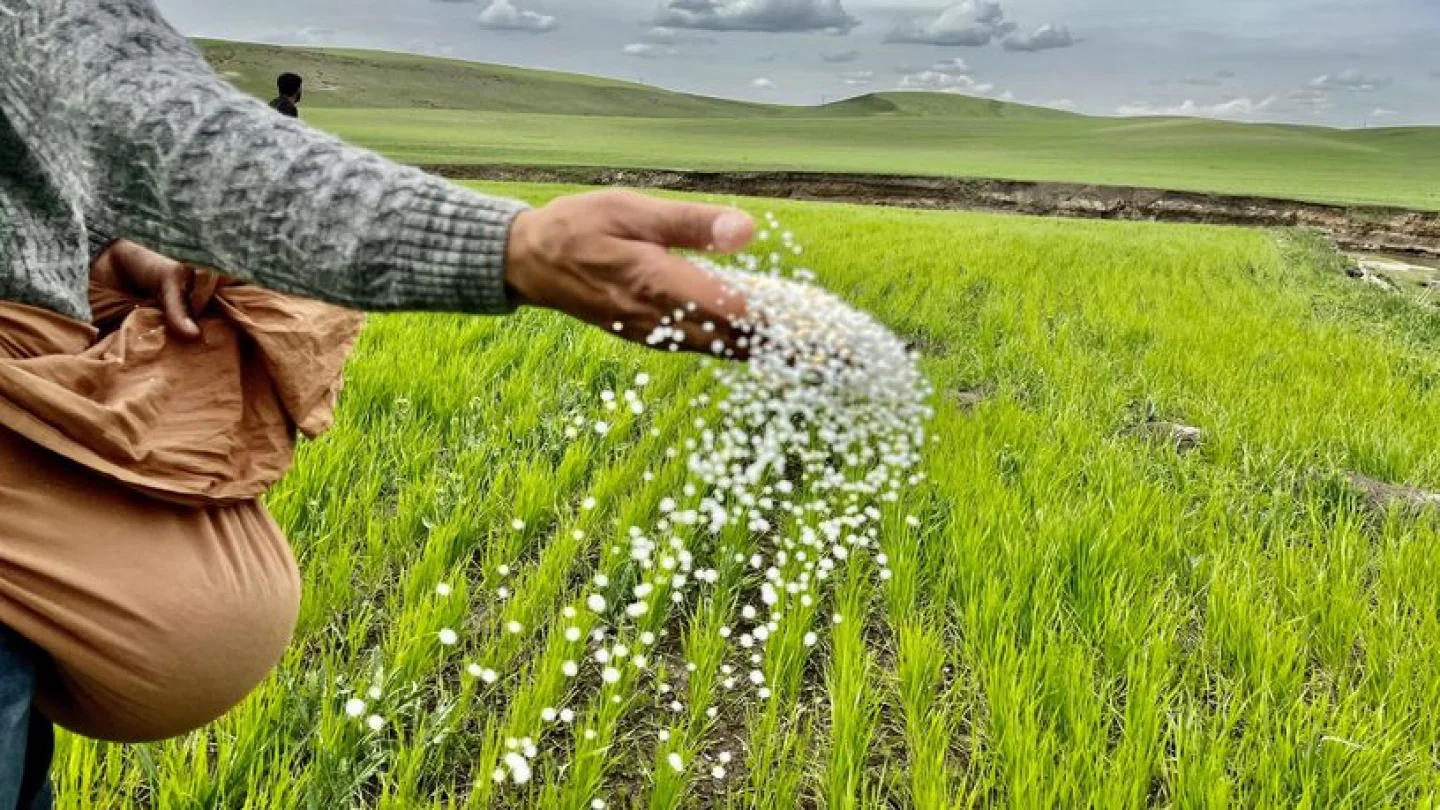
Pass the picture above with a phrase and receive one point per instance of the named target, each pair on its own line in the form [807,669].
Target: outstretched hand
[604,257]
[150,275]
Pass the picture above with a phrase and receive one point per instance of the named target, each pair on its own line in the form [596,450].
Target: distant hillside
[443,111]
[341,79]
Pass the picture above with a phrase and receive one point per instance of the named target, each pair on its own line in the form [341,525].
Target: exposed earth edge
[1369,229]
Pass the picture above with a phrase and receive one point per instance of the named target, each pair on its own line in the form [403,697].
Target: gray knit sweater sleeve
[122,128]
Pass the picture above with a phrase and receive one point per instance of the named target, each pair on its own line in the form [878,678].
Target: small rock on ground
[1184,438]
[1380,495]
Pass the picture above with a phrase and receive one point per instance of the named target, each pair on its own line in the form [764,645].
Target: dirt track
[1355,228]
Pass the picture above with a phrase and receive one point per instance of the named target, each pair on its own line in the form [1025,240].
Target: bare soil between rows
[1370,229]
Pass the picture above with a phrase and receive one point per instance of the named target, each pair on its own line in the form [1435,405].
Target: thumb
[174,303]
[695,226]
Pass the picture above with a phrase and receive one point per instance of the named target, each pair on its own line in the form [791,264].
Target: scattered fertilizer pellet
[795,453]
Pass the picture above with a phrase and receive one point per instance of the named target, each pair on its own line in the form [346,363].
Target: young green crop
[1083,617]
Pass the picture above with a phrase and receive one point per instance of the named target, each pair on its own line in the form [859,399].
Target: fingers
[689,225]
[675,293]
[175,302]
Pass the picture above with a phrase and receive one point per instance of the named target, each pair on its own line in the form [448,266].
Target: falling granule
[519,767]
[354,707]
[449,637]
[517,524]
[474,670]
[788,461]
[443,589]
[489,676]
[375,722]
[513,628]
[374,693]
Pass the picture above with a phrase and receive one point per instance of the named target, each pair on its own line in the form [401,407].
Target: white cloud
[502,15]
[1062,104]
[757,15]
[1044,38]
[858,78]
[944,83]
[763,83]
[659,35]
[1381,112]
[969,23]
[1350,79]
[841,58]
[1241,108]
[645,50]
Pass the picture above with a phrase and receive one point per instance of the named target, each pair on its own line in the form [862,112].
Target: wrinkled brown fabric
[132,547]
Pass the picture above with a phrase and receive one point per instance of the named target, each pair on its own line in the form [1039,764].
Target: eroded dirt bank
[1355,228]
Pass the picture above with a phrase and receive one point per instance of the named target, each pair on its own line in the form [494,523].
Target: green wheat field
[1085,617]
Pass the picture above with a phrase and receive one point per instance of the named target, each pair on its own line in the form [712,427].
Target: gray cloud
[757,15]
[1044,38]
[969,23]
[502,15]
[954,66]
[1350,79]
[1198,81]
[660,35]
[762,83]
[858,78]
[1224,74]
[841,58]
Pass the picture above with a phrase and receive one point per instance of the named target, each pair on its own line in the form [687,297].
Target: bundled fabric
[133,548]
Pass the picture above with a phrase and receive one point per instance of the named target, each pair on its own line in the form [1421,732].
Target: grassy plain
[424,110]
[1084,619]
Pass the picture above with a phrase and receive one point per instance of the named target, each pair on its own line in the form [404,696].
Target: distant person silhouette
[287,102]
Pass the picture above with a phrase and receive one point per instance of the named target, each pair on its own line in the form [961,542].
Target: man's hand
[149,275]
[604,258]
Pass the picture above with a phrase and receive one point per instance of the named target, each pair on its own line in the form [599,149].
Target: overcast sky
[1339,62]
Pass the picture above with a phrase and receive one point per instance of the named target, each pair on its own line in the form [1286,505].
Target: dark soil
[1354,228]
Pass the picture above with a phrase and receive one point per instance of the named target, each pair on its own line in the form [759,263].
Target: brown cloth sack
[132,547]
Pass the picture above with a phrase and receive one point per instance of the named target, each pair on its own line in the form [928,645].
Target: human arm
[127,118]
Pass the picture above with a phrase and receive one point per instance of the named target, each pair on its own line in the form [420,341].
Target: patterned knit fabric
[112,123]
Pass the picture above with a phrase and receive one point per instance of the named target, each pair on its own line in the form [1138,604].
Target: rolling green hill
[426,110]
[350,79]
